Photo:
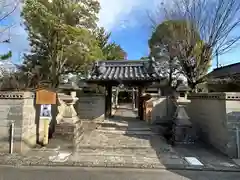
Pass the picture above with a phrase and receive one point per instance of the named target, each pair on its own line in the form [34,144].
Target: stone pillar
[113,98]
[108,103]
[116,100]
[133,99]
[69,126]
[159,92]
[140,103]
[61,107]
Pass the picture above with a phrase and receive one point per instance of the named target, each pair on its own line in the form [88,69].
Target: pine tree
[111,50]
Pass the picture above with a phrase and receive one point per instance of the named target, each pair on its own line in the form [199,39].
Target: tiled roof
[124,70]
[224,71]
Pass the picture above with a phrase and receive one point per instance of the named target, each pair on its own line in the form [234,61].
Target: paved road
[44,173]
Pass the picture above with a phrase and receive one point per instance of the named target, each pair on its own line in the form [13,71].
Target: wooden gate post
[108,101]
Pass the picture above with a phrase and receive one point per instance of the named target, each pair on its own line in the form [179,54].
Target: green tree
[60,38]
[144,58]
[164,44]
[6,55]
[111,50]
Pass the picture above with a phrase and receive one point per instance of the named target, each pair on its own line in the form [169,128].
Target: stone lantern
[69,114]
[68,125]
[182,90]
[182,130]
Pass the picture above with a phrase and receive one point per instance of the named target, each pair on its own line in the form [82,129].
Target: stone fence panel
[162,110]
[91,106]
[217,116]
[17,107]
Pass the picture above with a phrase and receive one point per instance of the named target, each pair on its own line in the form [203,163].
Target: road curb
[111,165]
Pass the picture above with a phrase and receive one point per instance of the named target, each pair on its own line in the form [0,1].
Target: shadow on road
[172,156]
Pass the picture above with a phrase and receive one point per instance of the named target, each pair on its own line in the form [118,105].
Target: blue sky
[126,19]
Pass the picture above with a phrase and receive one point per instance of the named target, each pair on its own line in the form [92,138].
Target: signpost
[45,98]
[45,116]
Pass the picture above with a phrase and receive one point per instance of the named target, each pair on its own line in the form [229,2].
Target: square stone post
[133,99]
[116,99]
[140,103]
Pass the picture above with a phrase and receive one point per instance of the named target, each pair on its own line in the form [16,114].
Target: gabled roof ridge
[225,70]
[122,61]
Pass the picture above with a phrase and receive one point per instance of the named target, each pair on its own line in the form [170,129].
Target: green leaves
[60,36]
[63,40]
[111,50]
[6,56]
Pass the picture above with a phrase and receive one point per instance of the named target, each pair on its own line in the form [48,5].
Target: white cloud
[114,14]
[120,13]
[112,11]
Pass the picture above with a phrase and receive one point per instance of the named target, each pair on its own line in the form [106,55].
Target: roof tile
[124,70]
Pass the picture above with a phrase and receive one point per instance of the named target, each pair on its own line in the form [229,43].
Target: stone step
[122,123]
[125,128]
[122,151]
[127,132]
[112,124]
[112,148]
[122,154]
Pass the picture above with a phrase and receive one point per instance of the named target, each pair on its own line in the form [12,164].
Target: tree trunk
[170,72]
[192,86]
[56,83]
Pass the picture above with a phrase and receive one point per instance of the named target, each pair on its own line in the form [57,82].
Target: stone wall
[90,106]
[162,110]
[17,107]
[216,115]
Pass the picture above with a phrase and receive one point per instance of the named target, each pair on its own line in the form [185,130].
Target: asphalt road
[44,173]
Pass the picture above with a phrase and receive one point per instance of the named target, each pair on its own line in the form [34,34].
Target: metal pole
[237,143]
[217,59]
[11,137]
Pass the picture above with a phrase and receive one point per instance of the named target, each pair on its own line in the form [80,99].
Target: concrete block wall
[163,109]
[17,107]
[216,115]
[91,106]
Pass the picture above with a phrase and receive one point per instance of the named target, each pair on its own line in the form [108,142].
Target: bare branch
[209,26]
[8,8]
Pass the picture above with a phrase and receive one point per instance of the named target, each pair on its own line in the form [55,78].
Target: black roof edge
[234,64]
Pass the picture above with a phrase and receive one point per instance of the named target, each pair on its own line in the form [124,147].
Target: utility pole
[217,58]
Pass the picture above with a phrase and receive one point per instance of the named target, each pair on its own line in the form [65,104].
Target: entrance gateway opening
[127,76]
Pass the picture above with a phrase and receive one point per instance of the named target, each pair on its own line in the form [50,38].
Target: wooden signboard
[44,96]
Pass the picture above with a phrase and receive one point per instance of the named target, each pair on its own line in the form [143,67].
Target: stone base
[183,135]
[68,131]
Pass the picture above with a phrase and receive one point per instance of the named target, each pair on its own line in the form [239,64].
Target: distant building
[7,66]
[224,79]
